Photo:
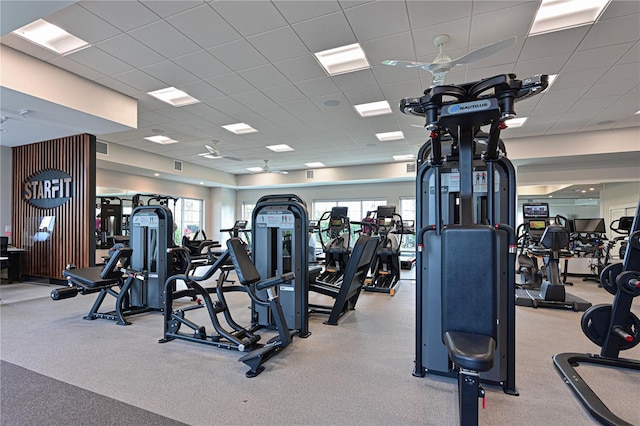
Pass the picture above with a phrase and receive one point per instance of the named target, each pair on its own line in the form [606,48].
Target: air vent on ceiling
[177,165]
[411,167]
[309,174]
[102,148]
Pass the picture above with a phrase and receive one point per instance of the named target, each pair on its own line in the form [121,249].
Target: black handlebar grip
[64,293]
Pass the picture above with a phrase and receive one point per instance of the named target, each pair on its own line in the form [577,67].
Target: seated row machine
[240,338]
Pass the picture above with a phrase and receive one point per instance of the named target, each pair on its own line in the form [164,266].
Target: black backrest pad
[469,279]
[112,269]
[245,269]
[555,237]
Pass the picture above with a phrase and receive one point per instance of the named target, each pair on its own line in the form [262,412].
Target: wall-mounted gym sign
[48,189]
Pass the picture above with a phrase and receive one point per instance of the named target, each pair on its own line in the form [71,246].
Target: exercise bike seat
[470,351]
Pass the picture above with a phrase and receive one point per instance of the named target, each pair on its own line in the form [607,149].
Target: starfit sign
[48,189]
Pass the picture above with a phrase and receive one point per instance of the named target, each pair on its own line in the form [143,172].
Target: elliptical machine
[337,247]
[386,264]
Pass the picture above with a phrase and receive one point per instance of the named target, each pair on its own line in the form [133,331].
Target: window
[247,211]
[187,215]
[408,213]
[357,210]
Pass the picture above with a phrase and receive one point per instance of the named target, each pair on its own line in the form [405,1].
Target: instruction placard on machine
[147,220]
[275,219]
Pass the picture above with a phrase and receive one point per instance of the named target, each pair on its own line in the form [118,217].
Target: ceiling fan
[213,152]
[267,169]
[442,63]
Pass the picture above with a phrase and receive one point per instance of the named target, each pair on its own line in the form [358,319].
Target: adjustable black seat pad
[245,269]
[99,276]
[469,292]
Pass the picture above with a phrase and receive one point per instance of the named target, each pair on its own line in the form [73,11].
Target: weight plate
[623,279]
[608,277]
[595,325]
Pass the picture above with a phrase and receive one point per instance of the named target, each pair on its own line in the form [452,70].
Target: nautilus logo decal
[48,189]
[468,107]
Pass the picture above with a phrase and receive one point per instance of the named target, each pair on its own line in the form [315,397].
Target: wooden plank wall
[72,238]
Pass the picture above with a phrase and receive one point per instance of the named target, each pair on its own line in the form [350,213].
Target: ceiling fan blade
[210,149]
[485,52]
[229,157]
[409,64]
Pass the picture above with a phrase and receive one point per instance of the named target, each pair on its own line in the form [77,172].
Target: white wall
[5,188]
[624,194]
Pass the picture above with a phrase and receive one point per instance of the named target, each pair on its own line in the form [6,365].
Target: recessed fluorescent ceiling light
[515,122]
[163,140]
[173,96]
[51,37]
[637,112]
[254,169]
[406,157]
[373,108]
[314,165]
[556,15]
[389,136]
[239,128]
[343,59]
[280,148]
[210,156]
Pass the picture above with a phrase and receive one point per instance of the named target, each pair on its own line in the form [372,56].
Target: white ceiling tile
[378,19]
[283,94]
[130,50]
[386,74]
[603,90]
[508,22]
[632,55]
[581,78]
[363,96]
[252,18]
[555,43]
[165,8]
[170,73]
[623,72]
[423,39]
[619,8]
[301,10]
[139,80]
[238,55]
[202,64]
[356,80]
[594,104]
[612,31]
[278,45]
[164,39]
[125,15]
[398,45]
[300,69]
[506,56]
[429,13]
[325,32]
[317,87]
[100,61]
[83,24]
[556,95]
[231,84]
[209,114]
[202,91]
[264,77]
[204,26]
[595,58]
[546,65]
[255,100]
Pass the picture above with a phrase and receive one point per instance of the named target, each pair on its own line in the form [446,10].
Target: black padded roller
[64,293]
